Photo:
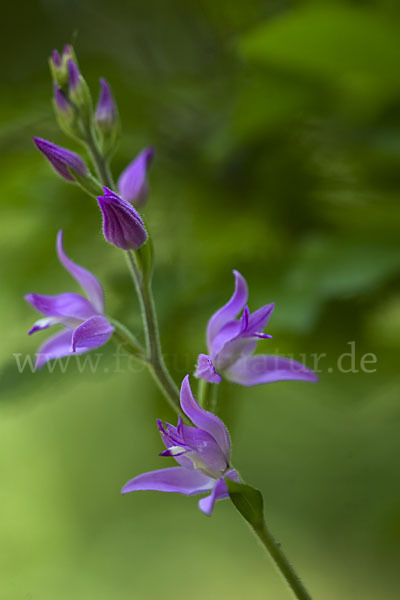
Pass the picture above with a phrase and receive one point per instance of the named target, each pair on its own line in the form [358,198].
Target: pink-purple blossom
[132,183]
[232,341]
[82,318]
[122,224]
[202,452]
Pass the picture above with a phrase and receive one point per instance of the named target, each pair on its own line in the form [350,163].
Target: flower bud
[106,118]
[58,65]
[78,90]
[66,114]
[106,110]
[65,162]
[122,224]
[132,184]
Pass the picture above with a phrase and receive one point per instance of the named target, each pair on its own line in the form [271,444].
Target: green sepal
[248,501]
[88,183]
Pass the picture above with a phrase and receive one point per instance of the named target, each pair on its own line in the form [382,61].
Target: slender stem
[155,358]
[281,562]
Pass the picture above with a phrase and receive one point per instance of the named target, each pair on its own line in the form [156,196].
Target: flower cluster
[202,451]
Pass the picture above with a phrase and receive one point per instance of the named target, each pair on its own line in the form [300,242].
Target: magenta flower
[231,343]
[203,453]
[65,162]
[84,325]
[132,184]
[122,224]
[106,110]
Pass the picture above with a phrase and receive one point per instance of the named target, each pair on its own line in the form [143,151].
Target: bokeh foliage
[276,126]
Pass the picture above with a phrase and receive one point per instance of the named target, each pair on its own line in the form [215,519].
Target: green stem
[281,562]
[155,358]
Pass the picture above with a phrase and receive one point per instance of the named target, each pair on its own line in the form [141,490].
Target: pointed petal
[262,368]
[230,310]
[88,282]
[63,306]
[132,184]
[258,320]
[57,346]
[219,492]
[93,333]
[174,479]
[204,419]
[205,370]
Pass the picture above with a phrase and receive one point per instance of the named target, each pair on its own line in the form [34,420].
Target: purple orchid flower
[203,453]
[122,224]
[132,184]
[106,110]
[63,161]
[85,326]
[231,343]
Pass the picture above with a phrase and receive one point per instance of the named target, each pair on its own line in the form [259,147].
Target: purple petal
[230,310]
[93,333]
[122,224]
[205,370]
[57,346]
[63,306]
[258,320]
[261,368]
[86,280]
[106,110]
[132,184]
[204,419]
[171,437]
[219,492]
[206,453]
[64,161]
[174,479]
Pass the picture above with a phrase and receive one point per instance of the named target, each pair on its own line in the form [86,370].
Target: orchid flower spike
[122,224]
[231,343]
[203,453]
[132,184]
[65,162]
[84,325]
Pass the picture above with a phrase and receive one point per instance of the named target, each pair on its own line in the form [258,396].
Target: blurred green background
[276,126]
